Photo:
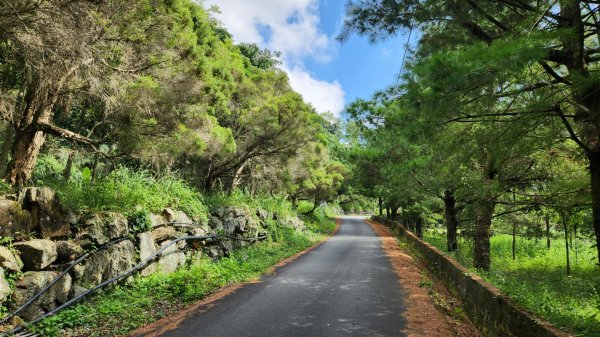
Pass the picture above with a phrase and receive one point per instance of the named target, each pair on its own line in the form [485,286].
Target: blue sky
[328,74]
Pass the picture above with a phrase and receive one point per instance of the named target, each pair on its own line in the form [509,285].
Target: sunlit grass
[537,279]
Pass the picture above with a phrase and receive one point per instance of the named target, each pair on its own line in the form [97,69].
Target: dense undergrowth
[127,307]
[537,279]
[122,190]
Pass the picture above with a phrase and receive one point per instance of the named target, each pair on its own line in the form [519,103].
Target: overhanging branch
[67,134]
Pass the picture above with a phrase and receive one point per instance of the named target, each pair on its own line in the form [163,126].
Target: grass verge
[537,280]
[127,307]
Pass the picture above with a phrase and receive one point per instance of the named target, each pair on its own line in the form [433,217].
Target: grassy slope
[537,279]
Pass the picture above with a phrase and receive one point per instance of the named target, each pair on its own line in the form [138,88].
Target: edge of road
[425,314]
[171,322]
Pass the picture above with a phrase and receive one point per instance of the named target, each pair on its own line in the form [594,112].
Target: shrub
[126,191]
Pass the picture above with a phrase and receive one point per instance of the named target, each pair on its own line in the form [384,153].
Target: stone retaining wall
[493,313]
[40,239]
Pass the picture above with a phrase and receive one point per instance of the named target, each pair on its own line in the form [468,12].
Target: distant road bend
[345,287]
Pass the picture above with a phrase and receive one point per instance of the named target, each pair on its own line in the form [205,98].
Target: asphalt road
[345,287]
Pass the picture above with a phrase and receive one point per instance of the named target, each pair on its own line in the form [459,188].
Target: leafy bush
[139,221]
[279,205]
[4,187]
[125,190]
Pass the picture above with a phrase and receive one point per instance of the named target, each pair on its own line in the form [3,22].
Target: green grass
[124,190]
[537,279]
[127,307]
[270,203]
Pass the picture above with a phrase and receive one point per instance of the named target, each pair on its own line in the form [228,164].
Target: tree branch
[67,134]
[569,128]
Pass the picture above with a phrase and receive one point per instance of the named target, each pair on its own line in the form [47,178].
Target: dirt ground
[432,311]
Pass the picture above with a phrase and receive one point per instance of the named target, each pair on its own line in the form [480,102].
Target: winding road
[344,287]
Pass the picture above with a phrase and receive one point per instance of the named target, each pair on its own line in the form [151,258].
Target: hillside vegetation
[136,108]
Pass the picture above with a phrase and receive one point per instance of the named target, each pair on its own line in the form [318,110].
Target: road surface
[345,287]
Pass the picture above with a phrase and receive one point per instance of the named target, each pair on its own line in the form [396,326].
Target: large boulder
[5,289]
[235,226]
[201,230]
[215,223]
[263,215]
[293,222]
[108,263]
[102,227]
[147,247]
[161,234]
[31,283]
[14,220]
[10,261]
[37,254]
[214,251]
[230,212]
[76,272]
[176,216]
[171,259]
[68,251]
[156,220]
[47,214]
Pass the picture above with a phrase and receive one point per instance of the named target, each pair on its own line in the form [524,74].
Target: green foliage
[139,220]
[4,187]
[262,59]
[125,190]
[537,279]
[276,204]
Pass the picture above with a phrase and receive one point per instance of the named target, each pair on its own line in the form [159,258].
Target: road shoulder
[430,306]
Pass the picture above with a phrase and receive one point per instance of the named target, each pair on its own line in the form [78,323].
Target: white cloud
[323,95]
[294,25]
[293,29]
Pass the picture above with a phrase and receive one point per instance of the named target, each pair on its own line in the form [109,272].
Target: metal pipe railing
[127,273]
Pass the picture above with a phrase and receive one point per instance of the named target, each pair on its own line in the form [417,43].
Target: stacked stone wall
[40,239]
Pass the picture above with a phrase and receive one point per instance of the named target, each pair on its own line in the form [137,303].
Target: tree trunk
[587,115]
[380,200]
[481,243]
[566,229]
[315,205]
[68,166]
[483,219]
[395,212]
[547,219]
[514,240]
[237,177]
[574,243]
[451,220]
[95,168]
[208,183]
[9,138]
[26,149]
[419,226]
[387,212]
[594,158]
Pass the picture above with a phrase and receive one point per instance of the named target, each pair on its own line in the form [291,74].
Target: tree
[59,51]
[540,60]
